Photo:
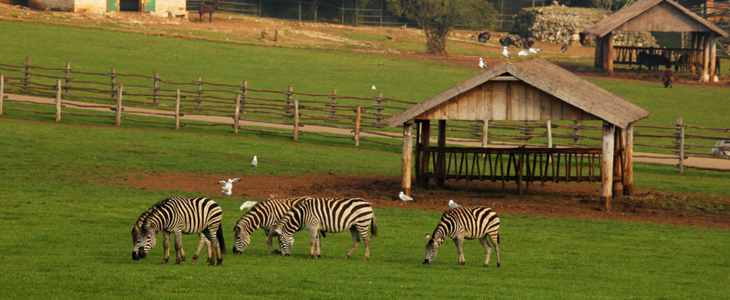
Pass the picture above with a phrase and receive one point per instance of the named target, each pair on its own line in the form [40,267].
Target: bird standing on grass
[564,48]
[405,198]
[534,50]
[453,204]
[505,53]
[228,186]
[523,53]
[482,64]
[248,204]
[255,161]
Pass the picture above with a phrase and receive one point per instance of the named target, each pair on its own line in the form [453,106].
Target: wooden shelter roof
[546,77]
[654,15]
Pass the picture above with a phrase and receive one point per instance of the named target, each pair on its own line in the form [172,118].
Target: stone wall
[558,24]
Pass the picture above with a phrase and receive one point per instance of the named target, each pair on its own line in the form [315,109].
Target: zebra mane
[143,217]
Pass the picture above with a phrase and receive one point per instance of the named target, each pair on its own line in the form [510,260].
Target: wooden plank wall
[663,17]
[505,100]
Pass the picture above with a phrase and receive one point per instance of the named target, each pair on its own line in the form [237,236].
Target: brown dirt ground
[575,200]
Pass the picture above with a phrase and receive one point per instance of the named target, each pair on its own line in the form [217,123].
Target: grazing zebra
[178,216]
[465,223]
[327,215]
[266,215]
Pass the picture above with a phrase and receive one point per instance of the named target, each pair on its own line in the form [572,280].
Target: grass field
[66,237]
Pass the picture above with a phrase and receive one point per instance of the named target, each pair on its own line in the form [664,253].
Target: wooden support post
[407,153]
[26,81]
[598,58]
[58,100]
[680,139]
[441,160]
[693,53]
[607,165]
[296,119]
[549,128]
[2,91]
[237,114]
[705,59]
[358,115]
[156,89]
[485,134]
[608,53]
[629,161]
[712,61]
[177,110]
[113,77]
[618,185]
[419,151]
[118,119]
[576,132]
[425,141]
[68,77]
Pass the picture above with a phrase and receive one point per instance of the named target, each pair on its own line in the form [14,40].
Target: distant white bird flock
[255,162]
[248,204]
[228,186]
[482,65]
[453,204]
[505,53]
[405,197]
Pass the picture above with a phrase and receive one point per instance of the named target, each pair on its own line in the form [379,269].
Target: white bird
[230,17]
[482,64]
[405,197]
[373,87]
[535,50]
[228,186]
[505,53]
[453,204]
[523,53]
[255,161]
[248,204]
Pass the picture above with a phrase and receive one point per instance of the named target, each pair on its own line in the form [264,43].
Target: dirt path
[638,156]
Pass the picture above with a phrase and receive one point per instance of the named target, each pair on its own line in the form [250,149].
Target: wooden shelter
[529,90]
[657,15]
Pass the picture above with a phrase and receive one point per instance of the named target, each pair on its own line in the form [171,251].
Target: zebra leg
[203,241]
[459,246]
[487,248]
[495,241]
[355,241]
[166,246]
[269,242]
[178,247]
[211,235]
[319,246]
[313,236]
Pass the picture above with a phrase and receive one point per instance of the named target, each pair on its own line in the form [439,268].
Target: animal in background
[484,37]
[254,162]
[405,198]
[528,43]
[505,53]
[228,186]
[720,145]
[207,9]
[478,222]
[564,48]
[453,204]
[668,77]
[482,64]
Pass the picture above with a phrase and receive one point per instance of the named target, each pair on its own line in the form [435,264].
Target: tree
[438,18]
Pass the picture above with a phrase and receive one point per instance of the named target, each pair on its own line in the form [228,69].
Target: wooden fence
[299,110]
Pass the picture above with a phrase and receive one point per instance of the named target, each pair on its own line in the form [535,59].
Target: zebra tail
[374,228]
[221,240]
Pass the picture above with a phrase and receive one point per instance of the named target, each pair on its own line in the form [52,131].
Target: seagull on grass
[534,50]
[228,186]
[255,162]
[453,204]
[482,64]
[405,197]
[248,204]
[523,53]
[505,53]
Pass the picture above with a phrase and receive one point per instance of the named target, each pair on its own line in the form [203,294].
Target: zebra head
[286,242]
[243,236]
[432,248]
[143,239]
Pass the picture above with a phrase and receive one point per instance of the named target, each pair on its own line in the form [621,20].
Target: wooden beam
[598,59]
[58,100]
[706,59]
[485,134]
[441,160]
[609,131]
[237,113]
[418,150]
[629,161]
[713,53]
[618,185]
[296,119]
[425,139]
[407,155]
[609,53]
[118,119]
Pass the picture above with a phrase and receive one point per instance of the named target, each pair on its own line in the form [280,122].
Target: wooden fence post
[58,100]
[200,91]
[407,157]
[379,107]
[485,133]
[113,76]
[27,73]
[2,91]
[576,132]
[334,105]
[156,89]
[289,91]
[296,119]
[244,95]
[118,119]
[440,167]
[549,128]
[629,161]
[68,77]
[237,114]
[680,140]
[177,110]
[609,130]
[358,111]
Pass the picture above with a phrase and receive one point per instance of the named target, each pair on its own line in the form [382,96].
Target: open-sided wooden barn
[158,7]
[529,90]
[663,16]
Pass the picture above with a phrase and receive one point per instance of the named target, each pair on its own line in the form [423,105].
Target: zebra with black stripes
[327,215]
[265,215]
[478,222]
[177,216]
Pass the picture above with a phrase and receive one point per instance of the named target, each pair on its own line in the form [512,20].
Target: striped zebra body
[478,222]
[179,216]
[265,215]
[327,215]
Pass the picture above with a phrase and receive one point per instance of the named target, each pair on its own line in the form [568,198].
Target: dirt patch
[574,200]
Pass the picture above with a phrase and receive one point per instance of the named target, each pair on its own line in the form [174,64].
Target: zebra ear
[428,237]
